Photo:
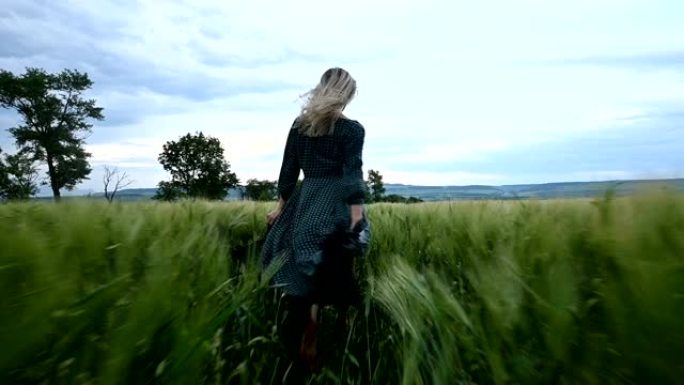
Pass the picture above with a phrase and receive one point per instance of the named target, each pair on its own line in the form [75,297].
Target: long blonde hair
[325,102]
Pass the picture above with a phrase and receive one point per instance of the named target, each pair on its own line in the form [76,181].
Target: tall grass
[532,292]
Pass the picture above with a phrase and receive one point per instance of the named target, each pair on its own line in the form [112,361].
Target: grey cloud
[50,28]
[55,37]
[150,160]
[644,61]
[8,119]
[211,32]
[650,144]
[284,55]
[6,140]
[663,115]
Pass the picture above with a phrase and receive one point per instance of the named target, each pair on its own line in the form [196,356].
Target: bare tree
[115,180]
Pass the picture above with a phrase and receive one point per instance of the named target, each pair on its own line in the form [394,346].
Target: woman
[313,223]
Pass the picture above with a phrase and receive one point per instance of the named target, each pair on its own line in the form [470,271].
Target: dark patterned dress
[319,208]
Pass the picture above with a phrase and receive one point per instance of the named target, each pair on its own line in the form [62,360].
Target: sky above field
[450,92]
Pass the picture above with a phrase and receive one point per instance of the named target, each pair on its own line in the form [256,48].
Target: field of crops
[533,292]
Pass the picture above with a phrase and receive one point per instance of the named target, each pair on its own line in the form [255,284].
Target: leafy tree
[113,181]
[367,193]
[394,198]
[376,186]
[4,177]
[261,190]
[168,191]
[55,120]
[198,169]
[18,176]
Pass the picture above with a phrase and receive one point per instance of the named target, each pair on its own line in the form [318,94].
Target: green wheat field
[516,292]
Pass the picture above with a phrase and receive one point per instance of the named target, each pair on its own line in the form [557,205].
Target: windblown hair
[325,102]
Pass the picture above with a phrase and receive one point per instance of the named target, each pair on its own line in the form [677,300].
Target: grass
[533,292]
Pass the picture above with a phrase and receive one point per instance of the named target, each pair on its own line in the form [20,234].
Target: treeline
[265,190]
[375,191]
[56,119]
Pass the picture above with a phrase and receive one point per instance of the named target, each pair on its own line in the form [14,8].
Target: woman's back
[324,156]
[328,156]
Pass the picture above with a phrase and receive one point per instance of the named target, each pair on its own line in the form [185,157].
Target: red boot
[307,351]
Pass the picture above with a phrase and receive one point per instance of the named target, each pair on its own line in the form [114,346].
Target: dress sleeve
[289,171]
[354,185]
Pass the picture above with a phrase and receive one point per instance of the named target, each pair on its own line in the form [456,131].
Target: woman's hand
[273,215]
[356,215]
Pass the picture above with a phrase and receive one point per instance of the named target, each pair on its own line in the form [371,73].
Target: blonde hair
[325,102]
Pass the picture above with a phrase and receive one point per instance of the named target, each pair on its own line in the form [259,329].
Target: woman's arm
[289,171]
[356,215]
[353,175]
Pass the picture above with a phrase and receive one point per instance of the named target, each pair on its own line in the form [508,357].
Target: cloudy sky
[450,91]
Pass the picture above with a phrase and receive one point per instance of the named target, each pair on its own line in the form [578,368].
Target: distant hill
[440,193]
[531,191]
[132,194]
[135,194]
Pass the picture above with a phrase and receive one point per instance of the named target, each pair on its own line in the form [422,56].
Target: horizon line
[90,191]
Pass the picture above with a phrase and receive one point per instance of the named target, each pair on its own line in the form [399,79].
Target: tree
[376,186]
[261,190]
[414,200]
[198,169]
[168,191]
[55,120]
[114,181]
[18,176]
[4,176]
[394,198]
